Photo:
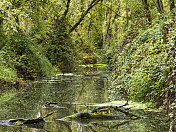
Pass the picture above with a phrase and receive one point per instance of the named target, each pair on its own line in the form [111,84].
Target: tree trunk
[60,20]
[172,6]
[67,9]
[159,5]
[108,24]
[127,16]
[146,11]
[17,23]
[1,28]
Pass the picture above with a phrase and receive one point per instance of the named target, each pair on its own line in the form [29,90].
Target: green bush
[25,57]
[6,73]
[59,48]
[145,68]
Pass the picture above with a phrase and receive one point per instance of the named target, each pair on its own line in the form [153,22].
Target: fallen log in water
[103,113]
[22,121]
[117,108]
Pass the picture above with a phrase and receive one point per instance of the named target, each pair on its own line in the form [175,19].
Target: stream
[70,91]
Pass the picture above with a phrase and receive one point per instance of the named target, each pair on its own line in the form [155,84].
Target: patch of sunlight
[65,74]
[94,65]
[7,73]
[6,97]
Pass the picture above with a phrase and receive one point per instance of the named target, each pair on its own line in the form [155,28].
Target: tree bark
[146,11]
[67,9]
[172,6]
[172,126]
[127,16]
[108,25]
[1,29]
[60,20]
[159,5]
[1,19]
[93,3]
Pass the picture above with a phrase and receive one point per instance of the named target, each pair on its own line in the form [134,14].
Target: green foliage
[144,69]
[31,40]
[21,55]
[59,48]
[6,73]
[36,36]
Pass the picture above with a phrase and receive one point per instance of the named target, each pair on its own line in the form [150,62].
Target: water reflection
[88,86]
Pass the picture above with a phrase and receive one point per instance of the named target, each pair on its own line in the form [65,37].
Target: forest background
[135,37]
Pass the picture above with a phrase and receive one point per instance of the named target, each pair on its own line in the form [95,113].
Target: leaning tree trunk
[93,3]
[66,11]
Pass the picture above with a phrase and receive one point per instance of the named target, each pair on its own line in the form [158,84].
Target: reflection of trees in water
[119,125]
[90,90]
[98,126]
[76,88]
[88,70]
[83,89]
[72,89]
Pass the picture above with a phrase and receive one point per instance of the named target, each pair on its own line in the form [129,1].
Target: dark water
[88,86]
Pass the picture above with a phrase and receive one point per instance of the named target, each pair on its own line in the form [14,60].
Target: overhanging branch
[93,3]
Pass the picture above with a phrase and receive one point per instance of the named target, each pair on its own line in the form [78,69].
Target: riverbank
[144,66]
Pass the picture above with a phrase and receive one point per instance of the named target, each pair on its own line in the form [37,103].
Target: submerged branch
[22,121]
[172,126]
[99,113]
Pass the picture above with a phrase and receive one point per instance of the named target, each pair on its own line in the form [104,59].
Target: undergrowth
[145,69]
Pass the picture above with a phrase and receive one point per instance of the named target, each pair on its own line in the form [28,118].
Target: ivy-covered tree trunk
[146,11]
[1,26]
[172,6]
[127,14]
[159,5]
[108,26]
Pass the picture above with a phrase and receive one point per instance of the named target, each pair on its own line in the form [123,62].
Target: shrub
[144,70]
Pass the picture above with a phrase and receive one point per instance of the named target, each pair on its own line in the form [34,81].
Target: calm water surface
[88,86]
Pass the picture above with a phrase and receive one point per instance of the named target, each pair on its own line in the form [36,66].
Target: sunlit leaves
[144,69]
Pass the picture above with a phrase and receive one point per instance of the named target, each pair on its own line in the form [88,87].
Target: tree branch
[93,3]
[159,5]
[66,11]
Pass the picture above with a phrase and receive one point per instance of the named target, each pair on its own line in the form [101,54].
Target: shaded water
[88,86]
